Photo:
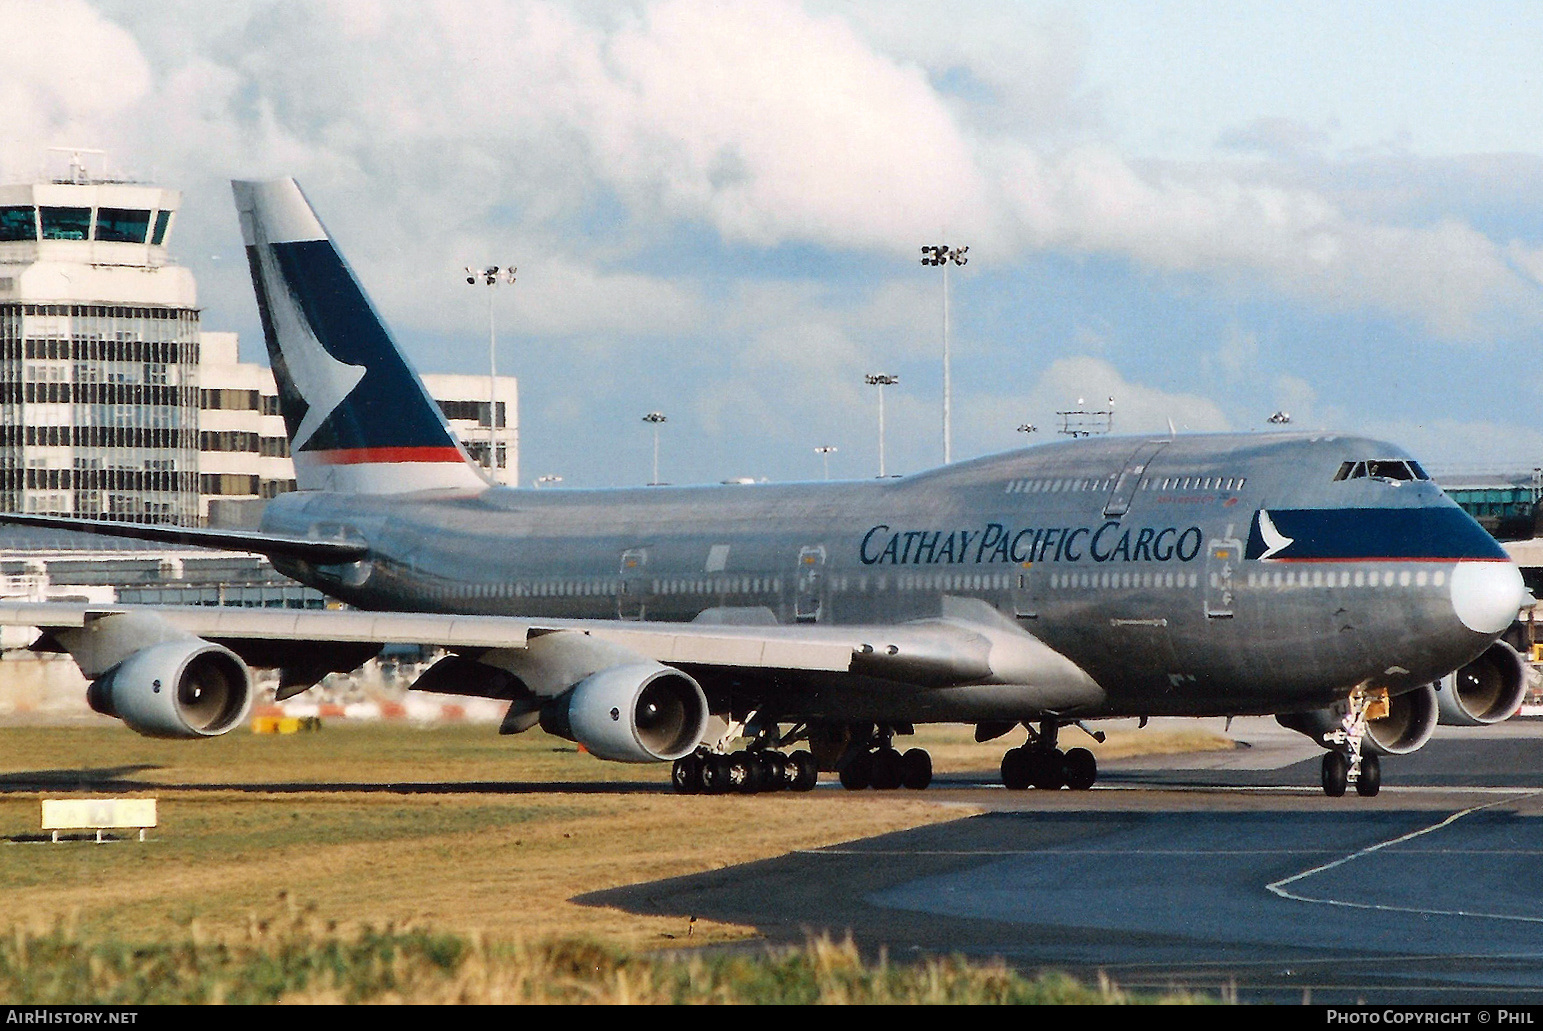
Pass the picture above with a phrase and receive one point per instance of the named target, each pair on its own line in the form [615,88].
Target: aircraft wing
[771,647]
[971,643]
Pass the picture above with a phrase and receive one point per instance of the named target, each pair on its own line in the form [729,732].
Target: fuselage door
[808,582]
[1130,478]
[1221,568]
[632,584]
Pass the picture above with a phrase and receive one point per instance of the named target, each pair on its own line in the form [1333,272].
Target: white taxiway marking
[1279,887]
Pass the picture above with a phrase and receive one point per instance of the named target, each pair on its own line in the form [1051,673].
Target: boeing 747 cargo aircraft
[1321,578]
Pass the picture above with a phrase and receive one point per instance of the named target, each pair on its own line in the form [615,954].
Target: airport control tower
[98,352]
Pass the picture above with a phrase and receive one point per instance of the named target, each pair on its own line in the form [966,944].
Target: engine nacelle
[1487,690]
[637,713]
[187,688]
[1410,722]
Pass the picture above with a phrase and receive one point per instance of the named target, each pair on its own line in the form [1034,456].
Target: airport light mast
[825,451]
[492,275]
[881,380]
[944,255]
[655,419]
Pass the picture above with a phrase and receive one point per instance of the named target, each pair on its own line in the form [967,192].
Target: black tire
[774,771]
[916,769]
[857,774]
[745,773]
[715,775]
[1079,769]
[887,772]
[1336,772]
[686,775]
[1045,769]
[807,773]
[1370,781]
[1015,769]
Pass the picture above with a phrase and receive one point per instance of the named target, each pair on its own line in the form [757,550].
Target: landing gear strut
[1346,763]
[1040,763]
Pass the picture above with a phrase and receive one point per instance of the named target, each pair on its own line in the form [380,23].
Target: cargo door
[1222,557]
[632,584]
[809,583]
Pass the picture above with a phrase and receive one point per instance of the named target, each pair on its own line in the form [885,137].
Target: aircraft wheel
[1079,769]
[1336,772]
[716,775]
[887,772]
[1045,769]
[1370,781]
[805,773]
[858,772]
[744,773]
[774,770]
[916,769]
[1015,769]
[686,775]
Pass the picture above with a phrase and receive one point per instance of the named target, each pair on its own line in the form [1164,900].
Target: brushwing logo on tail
[320,379]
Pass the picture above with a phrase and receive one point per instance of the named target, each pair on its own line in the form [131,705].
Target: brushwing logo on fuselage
[1275,542]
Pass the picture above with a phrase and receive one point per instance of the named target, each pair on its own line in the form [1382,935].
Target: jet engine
[638,712]
[183,688]
[1410,722]
[1487,690]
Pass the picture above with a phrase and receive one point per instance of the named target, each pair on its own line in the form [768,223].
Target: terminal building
[98,353]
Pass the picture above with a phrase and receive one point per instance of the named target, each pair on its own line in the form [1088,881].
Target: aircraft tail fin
[359,419]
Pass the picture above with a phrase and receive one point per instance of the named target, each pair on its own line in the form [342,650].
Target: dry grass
[512,829]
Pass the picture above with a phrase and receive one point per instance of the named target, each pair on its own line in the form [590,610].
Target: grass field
[392,825]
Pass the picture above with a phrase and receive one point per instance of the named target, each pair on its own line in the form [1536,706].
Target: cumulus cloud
[621,155]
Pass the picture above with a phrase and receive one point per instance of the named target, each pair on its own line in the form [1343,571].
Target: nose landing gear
[1346,763]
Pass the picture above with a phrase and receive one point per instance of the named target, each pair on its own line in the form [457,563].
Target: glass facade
[99,406]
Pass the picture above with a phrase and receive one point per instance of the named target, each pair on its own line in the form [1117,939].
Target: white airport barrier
[98,814]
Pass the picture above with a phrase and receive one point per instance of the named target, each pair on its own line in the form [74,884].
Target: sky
[1207,211]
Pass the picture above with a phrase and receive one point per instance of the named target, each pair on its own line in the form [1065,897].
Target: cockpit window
[1381,469]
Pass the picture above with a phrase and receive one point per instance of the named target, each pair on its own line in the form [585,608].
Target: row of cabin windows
[1077,485]
[1265,578]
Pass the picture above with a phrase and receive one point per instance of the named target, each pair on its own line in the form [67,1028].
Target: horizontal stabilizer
[320,552]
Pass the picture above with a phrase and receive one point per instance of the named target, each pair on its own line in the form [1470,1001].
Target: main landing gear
[1039,763]
[743,772]
[1346,763]
[885,769]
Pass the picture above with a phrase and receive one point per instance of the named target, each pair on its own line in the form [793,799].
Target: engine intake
[177,689]
[1410,722]
[638,712]
[1487,690]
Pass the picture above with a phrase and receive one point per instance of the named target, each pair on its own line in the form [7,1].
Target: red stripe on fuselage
[1381,558]
[384,455]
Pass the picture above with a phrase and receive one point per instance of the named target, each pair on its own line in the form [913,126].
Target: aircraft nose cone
[1487,595]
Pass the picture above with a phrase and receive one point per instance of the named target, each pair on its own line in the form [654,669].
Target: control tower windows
[122,225]
[162,220]
[66,223]
[18,223]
